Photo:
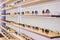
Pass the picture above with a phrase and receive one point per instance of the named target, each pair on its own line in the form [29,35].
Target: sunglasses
[8,14]
[6,27]
[32,12]
[27,12]
[28,26]
[26,37]
[19,24]
[15,13]
[16,33]
[47,11]
[36,28]
[36,12]
[6,34]
[43,11]
[22,13]
[23,25]
[46,31]
[19,13]
[33,27]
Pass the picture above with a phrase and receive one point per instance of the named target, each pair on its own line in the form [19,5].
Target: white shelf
[11,33]
[7,1]
[4,35]
[21,37]
[23,4]
[55,34]
[33,2]
[47,16]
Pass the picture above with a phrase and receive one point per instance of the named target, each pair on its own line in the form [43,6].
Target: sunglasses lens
[23,25]
[32,12]
[47,11]
[8,13]
[43,12]
[36,12]
[42,30]
[27,39]
[28,26]
[23,13]
[47,31]
[36,28]
[18,12]
[33,27]
[16,32]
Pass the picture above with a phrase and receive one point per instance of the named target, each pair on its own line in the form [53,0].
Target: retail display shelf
[23,4]
[54,16]
[6,8]
[4,36]
[20,12]
[7,1]
[37,30]
[8,29]
[23,36]
[9,8]
[18,36]
[7,35]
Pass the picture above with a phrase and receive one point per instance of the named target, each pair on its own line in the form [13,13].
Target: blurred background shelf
[32,2]
[23,19]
